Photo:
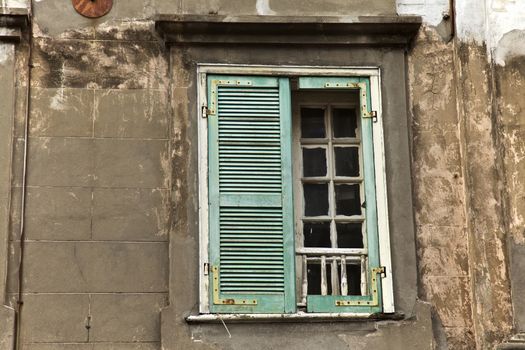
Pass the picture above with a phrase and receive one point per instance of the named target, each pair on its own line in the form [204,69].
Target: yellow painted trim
[218,301]
[212,108]
[375,294]
[362,95]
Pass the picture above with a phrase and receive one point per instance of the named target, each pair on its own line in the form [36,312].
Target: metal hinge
[216,298]
[375,291]
[206,269]
[372,114]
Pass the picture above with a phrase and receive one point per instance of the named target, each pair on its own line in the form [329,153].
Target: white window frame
[374,73]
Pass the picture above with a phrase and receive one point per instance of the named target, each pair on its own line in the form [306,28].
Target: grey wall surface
[97,201]
[7,93]
[55,19]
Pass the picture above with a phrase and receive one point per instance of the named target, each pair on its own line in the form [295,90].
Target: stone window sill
[300,317]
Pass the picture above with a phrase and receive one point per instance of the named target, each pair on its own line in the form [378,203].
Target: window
[291,207]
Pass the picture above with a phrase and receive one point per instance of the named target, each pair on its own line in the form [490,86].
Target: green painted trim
[319,303]
[287,195]
[326,303]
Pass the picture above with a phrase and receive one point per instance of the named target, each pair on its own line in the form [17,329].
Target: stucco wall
[473,160]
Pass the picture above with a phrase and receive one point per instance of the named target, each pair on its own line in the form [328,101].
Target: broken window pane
[348,200]
[312,123]
[349,235]
[314,162]
[317,234]
[344,122]
[315,199]
[346,161]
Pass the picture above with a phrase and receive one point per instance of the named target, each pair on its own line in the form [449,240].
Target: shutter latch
[383,272]
[205,111]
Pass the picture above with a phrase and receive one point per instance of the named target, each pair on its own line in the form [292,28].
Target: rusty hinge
[218,301]
[371,114]
[375,291]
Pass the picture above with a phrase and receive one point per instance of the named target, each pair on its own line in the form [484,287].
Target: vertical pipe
[20,302]
[452,9]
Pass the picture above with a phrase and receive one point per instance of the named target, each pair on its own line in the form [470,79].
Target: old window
[294,206]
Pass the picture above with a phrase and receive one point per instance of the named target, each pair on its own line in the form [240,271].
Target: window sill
[300,317]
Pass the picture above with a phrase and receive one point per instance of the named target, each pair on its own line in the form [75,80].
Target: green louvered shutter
[250,196]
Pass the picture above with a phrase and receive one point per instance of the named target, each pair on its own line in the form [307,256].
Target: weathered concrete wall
[510,89]
[508,56]
[96,238]
[438,189]
[99,173]
[283,7]
[8,93]
[471,157]
[105,182]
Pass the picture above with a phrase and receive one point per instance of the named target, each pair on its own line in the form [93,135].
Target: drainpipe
[452,14]
[20,301]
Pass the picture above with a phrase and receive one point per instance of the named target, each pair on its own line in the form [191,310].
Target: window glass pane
[317,234]
[312,123]
[346,161]
[347,200]
[349,235]
[344,122]
[315,199]
[353,277]
[314,162]
[314,278]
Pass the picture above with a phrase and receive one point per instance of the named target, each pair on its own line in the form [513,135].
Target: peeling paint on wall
[15,3]
[510,46]
[263,8]
[505,16]
[432,11]
[479,21]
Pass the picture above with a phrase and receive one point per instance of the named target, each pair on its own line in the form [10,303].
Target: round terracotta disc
[92,8]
